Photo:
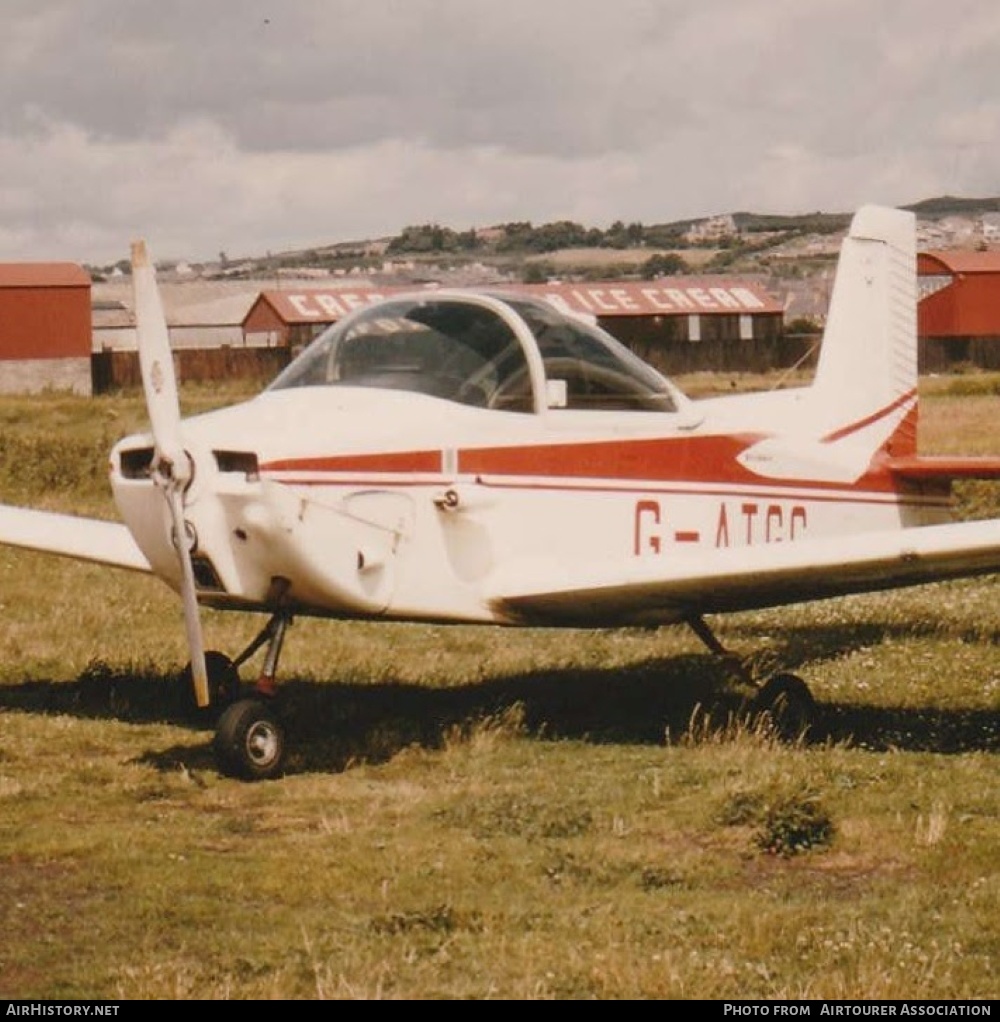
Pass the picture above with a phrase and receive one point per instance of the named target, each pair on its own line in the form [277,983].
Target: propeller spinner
[172,467]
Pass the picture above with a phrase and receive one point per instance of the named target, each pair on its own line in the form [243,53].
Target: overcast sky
[248,126]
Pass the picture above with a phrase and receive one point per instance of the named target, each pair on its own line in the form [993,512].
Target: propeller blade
[156,363]
[172,468]
[192,618]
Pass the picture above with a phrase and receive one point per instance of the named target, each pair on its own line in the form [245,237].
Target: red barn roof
[670,296]
[312,305]
[43,275]
[966,306]
[958,261]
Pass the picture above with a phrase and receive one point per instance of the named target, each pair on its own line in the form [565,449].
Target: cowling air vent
[205,575]
[238,461]
[136,463]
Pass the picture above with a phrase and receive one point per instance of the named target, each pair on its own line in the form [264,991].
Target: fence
[114,370]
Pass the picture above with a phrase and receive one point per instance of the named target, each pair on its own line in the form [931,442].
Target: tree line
[525,237]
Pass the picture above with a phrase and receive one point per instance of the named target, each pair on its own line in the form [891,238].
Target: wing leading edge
[743,578]
[84,539]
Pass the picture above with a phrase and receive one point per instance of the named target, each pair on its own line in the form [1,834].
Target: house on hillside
[713,229]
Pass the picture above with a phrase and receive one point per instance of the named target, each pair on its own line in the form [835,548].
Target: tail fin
[863,400]
[866,376]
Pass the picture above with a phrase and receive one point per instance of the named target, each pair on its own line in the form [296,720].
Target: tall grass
[475,813]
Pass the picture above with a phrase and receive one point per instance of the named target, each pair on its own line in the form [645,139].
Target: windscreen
[465,351]
[597,371]
[452,349]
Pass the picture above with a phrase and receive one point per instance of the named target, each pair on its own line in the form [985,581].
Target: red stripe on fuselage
[704,460]
[389,461]
[692,459]
[786,489]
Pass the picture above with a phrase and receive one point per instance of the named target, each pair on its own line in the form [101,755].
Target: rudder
[867,368]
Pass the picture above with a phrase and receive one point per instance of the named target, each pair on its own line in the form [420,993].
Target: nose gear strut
[250,737]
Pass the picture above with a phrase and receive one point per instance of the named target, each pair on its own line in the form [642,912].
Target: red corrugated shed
[44,311]
[276,311]
[968,306]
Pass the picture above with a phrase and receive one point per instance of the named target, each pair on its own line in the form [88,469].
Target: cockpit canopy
[502,353]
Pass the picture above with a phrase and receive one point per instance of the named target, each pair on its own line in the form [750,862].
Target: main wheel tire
[250,741]
[787,706]
[223,683]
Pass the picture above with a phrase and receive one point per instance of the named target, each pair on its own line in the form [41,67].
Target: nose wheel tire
[250,741]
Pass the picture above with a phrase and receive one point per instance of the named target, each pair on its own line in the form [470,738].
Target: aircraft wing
[676,586]
[85,539]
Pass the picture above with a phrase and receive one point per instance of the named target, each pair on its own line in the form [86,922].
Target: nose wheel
[249,738]
[250,741]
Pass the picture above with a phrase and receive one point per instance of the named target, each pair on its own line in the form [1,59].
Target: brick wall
[33,375]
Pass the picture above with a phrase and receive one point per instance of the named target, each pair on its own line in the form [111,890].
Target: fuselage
[388,496]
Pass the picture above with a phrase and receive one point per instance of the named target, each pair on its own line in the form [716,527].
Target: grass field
[474,813]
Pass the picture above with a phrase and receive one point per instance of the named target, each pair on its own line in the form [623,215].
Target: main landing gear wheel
[250,741]
[787,706]
[223,683]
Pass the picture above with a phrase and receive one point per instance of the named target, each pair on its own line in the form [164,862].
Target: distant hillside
[742,241]
[950,205]
[804,223]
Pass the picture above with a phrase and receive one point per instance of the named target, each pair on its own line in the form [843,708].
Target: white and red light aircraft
[486,458]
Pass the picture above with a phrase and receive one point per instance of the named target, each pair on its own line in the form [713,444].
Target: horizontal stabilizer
[917,469]
[87,539]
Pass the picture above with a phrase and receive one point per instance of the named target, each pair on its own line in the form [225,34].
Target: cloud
[254,126]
